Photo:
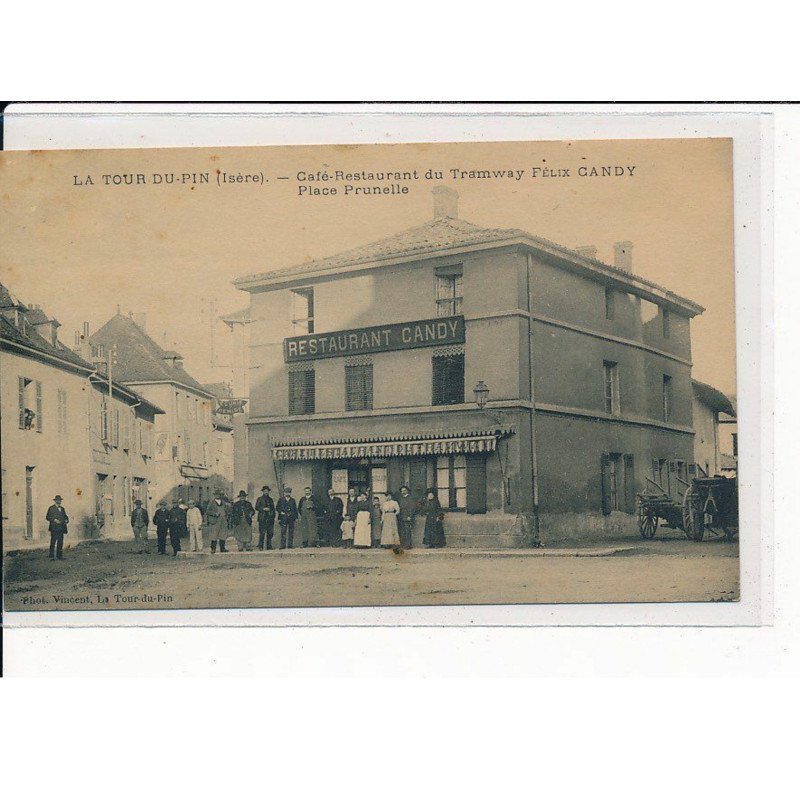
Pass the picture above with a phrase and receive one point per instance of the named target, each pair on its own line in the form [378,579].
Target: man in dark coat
[332,520]
[218,521]
[161,521]
[265,508]
[408,510]
[287,515]
[140,519]
[177,526]
[57,525]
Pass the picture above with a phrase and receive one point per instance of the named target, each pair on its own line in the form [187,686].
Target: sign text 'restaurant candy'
[403,336]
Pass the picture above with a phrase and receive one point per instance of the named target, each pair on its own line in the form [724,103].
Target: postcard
[369,375]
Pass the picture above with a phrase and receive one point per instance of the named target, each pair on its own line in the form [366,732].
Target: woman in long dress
[390,536]
[307,508]
[362,536]
[434,527]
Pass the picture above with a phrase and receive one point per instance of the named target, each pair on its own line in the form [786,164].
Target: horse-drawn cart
[708,504]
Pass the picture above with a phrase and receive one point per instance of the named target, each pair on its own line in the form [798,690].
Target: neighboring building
[708,406]
[729,438]
[363,367]
[60,433]
[222,451]
[182,462]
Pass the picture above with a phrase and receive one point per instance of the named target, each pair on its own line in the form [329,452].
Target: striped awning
[406,445]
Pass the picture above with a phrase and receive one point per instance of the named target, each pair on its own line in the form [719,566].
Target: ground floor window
[451,482]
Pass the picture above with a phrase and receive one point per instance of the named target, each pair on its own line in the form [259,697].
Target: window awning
[391,446]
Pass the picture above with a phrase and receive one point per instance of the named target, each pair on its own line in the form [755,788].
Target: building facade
[370,368]
[709,406]
[61,433]
[182,464]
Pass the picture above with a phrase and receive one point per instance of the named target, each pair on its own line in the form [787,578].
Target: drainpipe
[536,541]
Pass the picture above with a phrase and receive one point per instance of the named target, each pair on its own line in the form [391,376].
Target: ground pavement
[119,575]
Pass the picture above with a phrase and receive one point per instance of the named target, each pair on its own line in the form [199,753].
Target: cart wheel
[648,522]
[730,533]
[693,522]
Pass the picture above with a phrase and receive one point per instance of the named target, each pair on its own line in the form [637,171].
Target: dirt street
[98,575]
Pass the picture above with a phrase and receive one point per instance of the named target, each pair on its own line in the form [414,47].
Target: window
[301,391]
[449,294]
[451,482]
[666,398]
[62,411]
[448,379]
[30,404]
[648,312]
[665,322]
[611,386]
[302,311]
[98,351]
[358,387]
[115,428]
[609,303]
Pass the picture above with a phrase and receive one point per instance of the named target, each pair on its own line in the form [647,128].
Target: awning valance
[391,447]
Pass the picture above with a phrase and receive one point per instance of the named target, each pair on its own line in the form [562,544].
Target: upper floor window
[666,397]
[358,387]
[611,385]
[448,379]
[665,322]
[609,303]
[449,293]
[98,351]
[30,404]
[302,311]
[301,391]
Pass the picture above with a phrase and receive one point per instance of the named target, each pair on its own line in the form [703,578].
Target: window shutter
[437,397]
[39,419]
[21,386]
[418,479]
[605,485]
[656,476]
[476,484]
[630,484]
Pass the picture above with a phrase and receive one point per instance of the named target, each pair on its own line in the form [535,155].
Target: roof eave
[644,288]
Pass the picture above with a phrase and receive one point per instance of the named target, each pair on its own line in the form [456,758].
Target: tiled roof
[436,235]
[7,300]
[442,234]
[139,359]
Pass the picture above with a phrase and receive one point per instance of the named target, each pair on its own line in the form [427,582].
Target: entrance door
[29,502]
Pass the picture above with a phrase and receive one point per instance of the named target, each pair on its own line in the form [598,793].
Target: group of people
[362,519]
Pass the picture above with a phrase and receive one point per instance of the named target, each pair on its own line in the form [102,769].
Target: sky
[171,250]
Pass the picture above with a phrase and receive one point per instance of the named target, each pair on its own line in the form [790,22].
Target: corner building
[364,367]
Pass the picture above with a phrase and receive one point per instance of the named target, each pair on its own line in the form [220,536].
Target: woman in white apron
[389,534]
[362,536]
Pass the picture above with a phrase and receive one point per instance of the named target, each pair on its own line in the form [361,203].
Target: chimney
[623,256]
[140,318]
[588,250]
[445,202]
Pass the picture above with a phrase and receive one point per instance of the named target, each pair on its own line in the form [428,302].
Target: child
[347,531]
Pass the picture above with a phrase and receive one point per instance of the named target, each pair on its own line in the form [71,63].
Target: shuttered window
[358,387]
[301,391]
[629,480]
[448,380]
[451,482]
[23,417]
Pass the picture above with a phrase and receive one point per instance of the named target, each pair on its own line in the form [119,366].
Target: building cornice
[602,416]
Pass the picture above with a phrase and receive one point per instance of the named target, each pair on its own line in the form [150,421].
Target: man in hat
[140,519]
[332,520]
[177,525]
[161,521]
[265,508]
[408,510]
[242,514]
[217,520]
[57,525]
[287,514]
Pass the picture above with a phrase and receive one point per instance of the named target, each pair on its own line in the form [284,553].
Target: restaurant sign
[377,339]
